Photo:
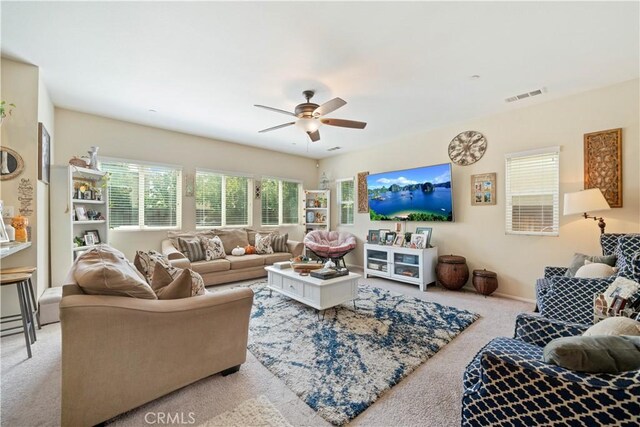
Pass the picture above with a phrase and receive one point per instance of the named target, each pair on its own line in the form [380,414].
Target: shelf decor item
[483,189]
[603,164]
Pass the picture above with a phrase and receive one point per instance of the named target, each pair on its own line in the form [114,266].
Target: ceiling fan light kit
[310,114]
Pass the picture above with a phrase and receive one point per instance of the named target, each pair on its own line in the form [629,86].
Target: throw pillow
[579,259]
[167,287]
[103,270]
[606,354]
[263,244]
[279,243]
[614,326]
[191,248]
[145,262]
[595,270]
[213,248]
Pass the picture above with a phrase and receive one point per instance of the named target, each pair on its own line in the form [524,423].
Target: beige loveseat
[120,352]
[231,268]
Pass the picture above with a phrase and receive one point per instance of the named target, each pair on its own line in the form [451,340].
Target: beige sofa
[119,353]
[232,268]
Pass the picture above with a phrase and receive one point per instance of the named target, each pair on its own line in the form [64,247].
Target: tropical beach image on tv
[420,194]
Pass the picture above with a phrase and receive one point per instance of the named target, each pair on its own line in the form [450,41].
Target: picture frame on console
[427,232]
[374,236]
[399,240]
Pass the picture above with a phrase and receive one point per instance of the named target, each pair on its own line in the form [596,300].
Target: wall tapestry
[603,164]
[25,197]
[363,195]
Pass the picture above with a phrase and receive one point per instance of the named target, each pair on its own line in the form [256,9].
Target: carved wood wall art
[603,164]
[363,193]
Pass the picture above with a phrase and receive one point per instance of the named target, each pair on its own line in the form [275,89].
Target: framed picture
[44,153]
[399,241]
[427,232]
[483,189]
[374,236]
[88,240]
[418,240]
[389,238]
[603,164]
[81,214]
[95,234]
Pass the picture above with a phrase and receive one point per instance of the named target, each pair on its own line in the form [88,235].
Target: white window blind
[222,200]
[346,200]
[143,195]
[280,201]
[532,192]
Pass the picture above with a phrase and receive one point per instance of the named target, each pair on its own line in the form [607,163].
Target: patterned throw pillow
[191,248]
[263,244]
[213,248]
[279,243]
[145,262]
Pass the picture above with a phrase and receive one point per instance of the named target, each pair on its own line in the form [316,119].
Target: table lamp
[582,202]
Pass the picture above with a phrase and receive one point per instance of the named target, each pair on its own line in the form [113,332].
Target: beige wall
[478,232]
[21,85]
[76,132]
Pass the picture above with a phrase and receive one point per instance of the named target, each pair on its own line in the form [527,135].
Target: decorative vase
[93,158]
[20,223]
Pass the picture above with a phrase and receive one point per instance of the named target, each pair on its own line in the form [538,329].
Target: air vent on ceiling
[334,148]
[525,95]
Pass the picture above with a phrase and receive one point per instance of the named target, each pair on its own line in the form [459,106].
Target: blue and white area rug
[342,364]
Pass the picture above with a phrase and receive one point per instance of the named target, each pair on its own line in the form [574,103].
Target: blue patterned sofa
[570,298]
[508,384]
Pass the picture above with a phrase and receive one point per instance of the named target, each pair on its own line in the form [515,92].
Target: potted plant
[5,110]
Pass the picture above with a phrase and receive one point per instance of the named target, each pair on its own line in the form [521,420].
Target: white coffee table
[317,293]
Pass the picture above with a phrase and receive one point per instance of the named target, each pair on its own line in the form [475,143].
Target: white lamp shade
[308,125]
[585,201]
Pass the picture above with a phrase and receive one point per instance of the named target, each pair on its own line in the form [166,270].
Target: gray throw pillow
[599,354]
[579,259]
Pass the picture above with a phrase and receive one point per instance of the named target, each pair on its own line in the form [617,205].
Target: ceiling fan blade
[276,127]
[315,136]
[277,110]
[344,123]
[329,106]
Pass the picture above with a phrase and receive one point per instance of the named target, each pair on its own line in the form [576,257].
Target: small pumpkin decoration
[237,251]
[249,249]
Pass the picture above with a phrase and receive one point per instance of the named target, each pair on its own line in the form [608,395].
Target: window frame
[280,204]
[554,150]
[224,175]
[141,199]
[340,201]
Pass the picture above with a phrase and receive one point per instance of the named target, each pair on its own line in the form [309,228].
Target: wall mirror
[11,163]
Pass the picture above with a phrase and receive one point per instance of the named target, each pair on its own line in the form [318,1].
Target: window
[143,196]
[280,202]
[222,199]
[345,200]
[532,192]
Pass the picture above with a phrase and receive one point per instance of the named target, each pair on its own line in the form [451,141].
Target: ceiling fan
[310,117]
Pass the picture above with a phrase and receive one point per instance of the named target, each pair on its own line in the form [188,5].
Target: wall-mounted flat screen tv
[420,194]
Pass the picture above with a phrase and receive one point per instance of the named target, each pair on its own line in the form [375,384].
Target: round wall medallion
[467,148]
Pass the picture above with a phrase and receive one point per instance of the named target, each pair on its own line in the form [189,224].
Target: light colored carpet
[429,396]
[340,365]
[253,412]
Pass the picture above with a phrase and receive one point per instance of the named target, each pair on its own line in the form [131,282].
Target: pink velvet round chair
[330,245]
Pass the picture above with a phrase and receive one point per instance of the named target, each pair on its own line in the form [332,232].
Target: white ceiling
[402,67]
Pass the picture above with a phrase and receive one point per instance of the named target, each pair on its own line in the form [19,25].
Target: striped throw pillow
[279,243]
[191,248]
